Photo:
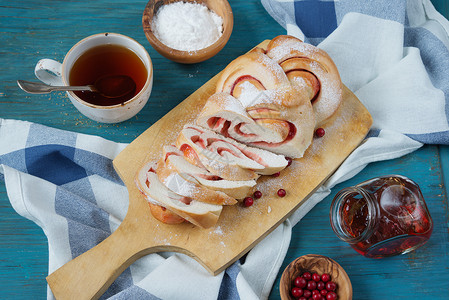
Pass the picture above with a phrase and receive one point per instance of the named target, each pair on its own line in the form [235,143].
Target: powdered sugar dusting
[218,230]
[292,46]
[251,96]
[271,65]
[299,81]
[277,96]
[230,103]
[330,93]
[175,183]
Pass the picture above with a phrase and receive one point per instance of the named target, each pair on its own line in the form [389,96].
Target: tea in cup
[104,55]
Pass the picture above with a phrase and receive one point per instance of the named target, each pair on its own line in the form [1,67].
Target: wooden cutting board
[238,230]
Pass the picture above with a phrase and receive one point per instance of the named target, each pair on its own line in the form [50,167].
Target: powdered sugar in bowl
[203,29]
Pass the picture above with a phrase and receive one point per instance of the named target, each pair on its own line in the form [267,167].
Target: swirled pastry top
[274,98]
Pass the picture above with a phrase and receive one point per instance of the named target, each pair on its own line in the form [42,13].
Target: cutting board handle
[89,275]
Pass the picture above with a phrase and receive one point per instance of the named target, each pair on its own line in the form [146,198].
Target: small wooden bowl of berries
[315,277]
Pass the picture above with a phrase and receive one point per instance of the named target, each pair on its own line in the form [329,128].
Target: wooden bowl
[315,264]
[220,7]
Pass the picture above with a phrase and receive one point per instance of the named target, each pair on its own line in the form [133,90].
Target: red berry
[282,193]
[248,201]
[311,285]
[319,132]
[320,285]
[315,292]
[324,292]
[297,292]
[302,298]
[289,161]
[257,194]
[331,296]
[276,174]
[316,277]
[317,297]
[331,286]
[307,293]
[300,282]
[325,277]
[307,276]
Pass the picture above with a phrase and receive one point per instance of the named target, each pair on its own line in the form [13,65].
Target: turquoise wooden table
[31,30]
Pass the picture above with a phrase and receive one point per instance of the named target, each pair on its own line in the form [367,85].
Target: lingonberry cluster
[313,286]
[249,201]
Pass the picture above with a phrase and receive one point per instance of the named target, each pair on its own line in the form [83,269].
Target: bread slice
[202,214]
[260,161]
[235,189]
[190,136]
[232,153]
[185,185]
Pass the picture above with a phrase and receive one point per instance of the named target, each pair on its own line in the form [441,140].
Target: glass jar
[381,217]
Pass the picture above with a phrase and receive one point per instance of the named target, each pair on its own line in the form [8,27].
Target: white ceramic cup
[54,73]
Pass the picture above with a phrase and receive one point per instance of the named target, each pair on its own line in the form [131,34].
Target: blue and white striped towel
[392,54]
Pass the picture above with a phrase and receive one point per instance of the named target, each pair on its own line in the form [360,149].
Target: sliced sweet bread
[202,214]
[233,188]
[269,125]
[218,149]
[185,185]
[193,137]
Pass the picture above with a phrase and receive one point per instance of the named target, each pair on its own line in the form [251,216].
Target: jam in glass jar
[381,217]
